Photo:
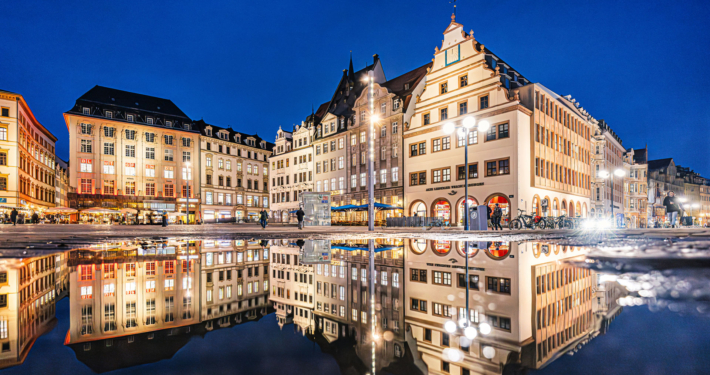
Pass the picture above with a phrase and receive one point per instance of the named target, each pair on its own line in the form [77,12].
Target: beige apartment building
[292,286]
[608,156]
[636,207]
[536,146]
[62,186]
[291,168]
[27,304]
[131,150]
[536,306]
[234,174]
[235,275]
[27,158]
[125,289]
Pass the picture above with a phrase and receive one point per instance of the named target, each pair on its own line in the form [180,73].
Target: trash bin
[478,217]
[686,221]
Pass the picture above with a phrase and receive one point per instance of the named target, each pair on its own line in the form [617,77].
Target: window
[150,153]
[463,108]
[441,175]
[168,139]
[442,278]
[186,156]
[472,171]
[130,134]
[130,169]
[86,185]
[130,188]
[419,305]
[108,148]
[394,128]
[131,151]
[3,133]
[416,149]
[86,146]
[498,285]
[499,322]
[150,170]
[109,131]
[443,114]
[463,80]
[418,275]
[473,280]
[417,178]
[169,155]
[444,88]
[86,165]
[168,172]
[426,119]
[150,137]
[150,188]
[441,310]
[483,102]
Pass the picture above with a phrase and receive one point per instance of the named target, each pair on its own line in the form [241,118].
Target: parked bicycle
[438,223]
[563,222]
[525,221]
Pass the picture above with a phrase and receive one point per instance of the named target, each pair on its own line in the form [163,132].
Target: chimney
[375,58]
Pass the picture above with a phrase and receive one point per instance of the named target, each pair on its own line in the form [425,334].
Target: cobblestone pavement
[52,236]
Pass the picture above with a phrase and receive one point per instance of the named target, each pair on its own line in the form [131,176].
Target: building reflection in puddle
[376,311]
[136,303]
[30,283]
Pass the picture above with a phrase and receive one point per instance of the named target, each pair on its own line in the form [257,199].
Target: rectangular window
[463,80]
[443,114]
[426,119]
[169,155]
[498,285]
[86,146]
[463,108]
[444,88]
[108,148]
[483,102]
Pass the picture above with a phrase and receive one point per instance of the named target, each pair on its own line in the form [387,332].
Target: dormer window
[208,132]
[129,118]
[149,120]
[109,114]
[395,104]
[85,110]
[169,124]
[187,126]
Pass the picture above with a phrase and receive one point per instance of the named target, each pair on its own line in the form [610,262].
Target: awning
[378,248]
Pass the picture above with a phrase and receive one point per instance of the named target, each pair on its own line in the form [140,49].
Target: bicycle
[437,223]
[563,222]
[526,221]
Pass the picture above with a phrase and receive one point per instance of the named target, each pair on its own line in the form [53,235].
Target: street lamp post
[371,159]
[187,195]
[467,126]
[605,174]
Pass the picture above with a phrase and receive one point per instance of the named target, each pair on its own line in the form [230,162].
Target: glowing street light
[605,174]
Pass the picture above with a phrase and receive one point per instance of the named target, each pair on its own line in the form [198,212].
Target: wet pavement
[339,303]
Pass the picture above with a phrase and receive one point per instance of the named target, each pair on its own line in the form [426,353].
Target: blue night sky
[260,65]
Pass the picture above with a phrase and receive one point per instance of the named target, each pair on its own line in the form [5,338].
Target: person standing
[299,215]
[672,208]
[263,217]
[13,216]
[35,218]
[497,215]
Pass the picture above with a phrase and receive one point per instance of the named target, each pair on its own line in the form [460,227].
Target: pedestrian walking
[165,219]
[672,208]
[13,217]
[497,215]
[299,215]
[35,218]
[263,217]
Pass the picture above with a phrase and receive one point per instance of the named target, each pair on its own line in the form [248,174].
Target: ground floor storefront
[449,206]
[230,214]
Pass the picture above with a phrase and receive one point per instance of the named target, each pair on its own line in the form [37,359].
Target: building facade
[131,150]
[27,304]
[636,205]
[393,107]
[662,178]
[27,158]
[62,186]
[536,147]
[332,134]
[234,174]
[608,156]
[291,169]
